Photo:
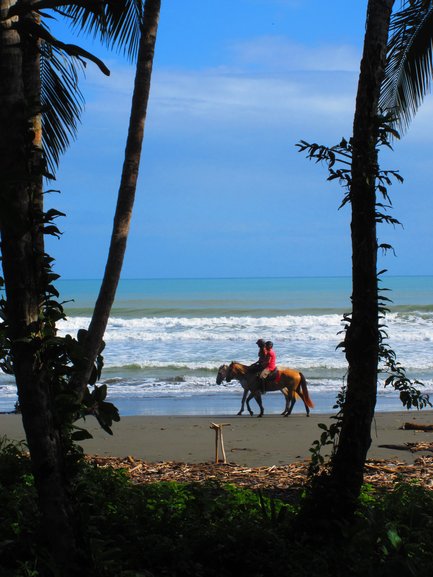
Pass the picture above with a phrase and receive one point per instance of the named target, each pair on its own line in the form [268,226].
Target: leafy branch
[57,358]
[410,394]
[328,437]
[338,160]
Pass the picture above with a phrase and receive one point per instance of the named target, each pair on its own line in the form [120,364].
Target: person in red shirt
[271,365]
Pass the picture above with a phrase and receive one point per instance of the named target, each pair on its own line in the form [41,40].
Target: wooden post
[218,428]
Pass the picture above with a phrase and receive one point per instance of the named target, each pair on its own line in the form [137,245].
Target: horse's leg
[244,396]
[250,396]
[286,399]
[305,396]
[258,396]
[307,408]
[290,404]
[301,396]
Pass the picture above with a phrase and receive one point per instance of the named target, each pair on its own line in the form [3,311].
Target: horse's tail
[307,399]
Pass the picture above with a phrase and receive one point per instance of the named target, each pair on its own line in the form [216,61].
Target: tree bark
[22,248]
[126,194]
[362,336]
[333,495]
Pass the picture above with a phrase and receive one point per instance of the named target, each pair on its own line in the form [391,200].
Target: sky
[223,190]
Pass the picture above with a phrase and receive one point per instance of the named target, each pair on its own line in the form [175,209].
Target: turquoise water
[247,295]
[166,338]
[206,297]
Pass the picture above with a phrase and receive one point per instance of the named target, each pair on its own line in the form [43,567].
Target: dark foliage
[179,529]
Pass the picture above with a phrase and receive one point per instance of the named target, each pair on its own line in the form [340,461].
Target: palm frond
[38,30]
[117,24]
[409,69]
[61,99]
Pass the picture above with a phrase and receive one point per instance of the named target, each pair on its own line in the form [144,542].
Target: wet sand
[248,441]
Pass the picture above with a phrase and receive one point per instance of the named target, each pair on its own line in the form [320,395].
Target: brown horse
[290,382]
[245,381]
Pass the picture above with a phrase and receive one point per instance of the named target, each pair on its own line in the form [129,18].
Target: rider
[271,364]
[262,361]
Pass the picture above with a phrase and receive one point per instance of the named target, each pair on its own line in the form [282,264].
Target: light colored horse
[290,382]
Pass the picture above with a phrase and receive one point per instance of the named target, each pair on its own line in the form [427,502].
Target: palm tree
[24,43]
[126,195]
[335,496]
[409,68]
[362,336]
[22,254]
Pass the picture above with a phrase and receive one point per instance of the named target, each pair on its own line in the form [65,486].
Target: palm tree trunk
[126,193]
[362,336]
[22,248]
[334,495]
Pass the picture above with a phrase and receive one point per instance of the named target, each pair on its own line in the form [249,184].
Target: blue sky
[223,191]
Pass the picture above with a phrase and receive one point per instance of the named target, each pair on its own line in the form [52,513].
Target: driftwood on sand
[416,427]
[219,440]
[279,481]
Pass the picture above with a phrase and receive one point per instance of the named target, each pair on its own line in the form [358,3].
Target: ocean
[166,339]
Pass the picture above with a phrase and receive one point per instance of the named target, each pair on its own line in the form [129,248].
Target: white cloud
[230,97]
[280,53]
[259,98]
[269,81]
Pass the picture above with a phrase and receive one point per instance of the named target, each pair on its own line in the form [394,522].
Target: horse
[245,381]
[290,382]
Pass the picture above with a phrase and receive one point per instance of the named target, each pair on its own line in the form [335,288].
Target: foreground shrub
[18,511]
[198,530]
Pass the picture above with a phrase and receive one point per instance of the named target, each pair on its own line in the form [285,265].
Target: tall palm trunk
[22,249]
[126,193]
[362,337]
[334,495]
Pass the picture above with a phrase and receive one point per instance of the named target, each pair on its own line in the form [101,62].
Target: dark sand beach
[248,441]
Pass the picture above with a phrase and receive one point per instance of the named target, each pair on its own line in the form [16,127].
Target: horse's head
[231,371]
[222,374]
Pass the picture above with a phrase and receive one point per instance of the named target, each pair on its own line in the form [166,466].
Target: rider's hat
[260,343]
[269,344]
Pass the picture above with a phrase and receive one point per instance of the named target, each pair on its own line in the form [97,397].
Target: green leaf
[52,230]
[409,69]
[81,435]
[52,213]
[394,538]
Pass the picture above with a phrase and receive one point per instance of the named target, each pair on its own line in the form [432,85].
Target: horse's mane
[241,366]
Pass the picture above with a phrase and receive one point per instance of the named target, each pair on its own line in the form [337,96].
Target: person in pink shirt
[271,365]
